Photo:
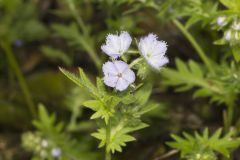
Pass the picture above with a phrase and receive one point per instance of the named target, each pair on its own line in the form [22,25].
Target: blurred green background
[38,36]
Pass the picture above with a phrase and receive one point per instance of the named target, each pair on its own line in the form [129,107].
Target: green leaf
[146,108]
[231,4]
[103,108]
[236,53]
[121,125]
[101,87]
[88,84]
[72,77]
[203,144]
[93,104]
[143,94]
[82,81]
[118,136]
[46,122]
[56,54]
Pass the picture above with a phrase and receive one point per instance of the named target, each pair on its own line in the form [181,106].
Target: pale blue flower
[153,51]
[221,21]
[18,43]
[228,35]
[117,45]
[118,75]
[56,152]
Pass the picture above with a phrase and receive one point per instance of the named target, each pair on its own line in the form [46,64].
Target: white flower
[228,35]
[118,75]
[153,51]
[44,143]
[236,26]
[221,21]
[56,152]
[117,45]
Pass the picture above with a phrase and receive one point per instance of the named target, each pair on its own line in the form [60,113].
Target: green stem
[108,139]
[197,47]
[73,9]
[92,54]
[132,51]
[84,42]
[136,61]
[22,82]
[228,116]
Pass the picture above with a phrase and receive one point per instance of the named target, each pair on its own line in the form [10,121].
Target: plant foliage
[123,111]
[199,145]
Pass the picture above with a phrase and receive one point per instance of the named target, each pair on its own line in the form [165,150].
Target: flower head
[118,75]
[44,143]
[228,35]
[19,43]
[236,26]
[117,45]
[56,152]
[153,51]
[221,21]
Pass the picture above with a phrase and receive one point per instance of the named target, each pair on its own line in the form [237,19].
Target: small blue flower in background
[56,152]
[18,43]
[118,75]
[221,21]
[228,35]
[153,51]
[117,45]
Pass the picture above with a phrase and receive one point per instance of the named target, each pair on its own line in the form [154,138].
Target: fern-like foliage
[55,54]
[231,4]
[81,40]
[124,109]
[52,131]
[47,123]
[205,145]
[191,75]
[26,27]
[119,134]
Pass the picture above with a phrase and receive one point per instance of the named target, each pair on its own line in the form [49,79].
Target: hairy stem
[108,138]
[194,43]
[22,82]
[136,61]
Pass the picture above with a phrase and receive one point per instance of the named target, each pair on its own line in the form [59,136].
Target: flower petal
[109,69]
[109,51]
[121,66]
[160,48]
[129,75]
[125,41]
[113,41]
[110,80]
[158,61]
[122,84]
[146,44]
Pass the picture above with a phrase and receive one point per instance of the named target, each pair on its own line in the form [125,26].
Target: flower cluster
[117,73]
[43,148]
[233,34]
[231,28]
